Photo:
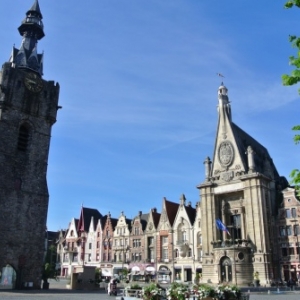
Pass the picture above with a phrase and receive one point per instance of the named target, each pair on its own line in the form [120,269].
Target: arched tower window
[23,138]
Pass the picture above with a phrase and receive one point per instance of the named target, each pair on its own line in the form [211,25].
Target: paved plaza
[79,295]
[58,291]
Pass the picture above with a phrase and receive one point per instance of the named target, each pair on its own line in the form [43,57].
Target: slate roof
[191,212]
[114,222]
[36,8]
[85,218]
[171,210]
[129,224]
[155,216]
[103,221]
[262,155]
[144,221]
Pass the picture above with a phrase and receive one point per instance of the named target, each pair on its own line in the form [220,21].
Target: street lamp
[173,263]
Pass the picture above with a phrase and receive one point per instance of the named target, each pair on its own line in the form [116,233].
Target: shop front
[106,271]
[141,272]
[164,275]
[150,273]
[187,273]
[178,273]
[183,273]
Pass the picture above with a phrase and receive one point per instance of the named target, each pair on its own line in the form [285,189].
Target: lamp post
[173,272]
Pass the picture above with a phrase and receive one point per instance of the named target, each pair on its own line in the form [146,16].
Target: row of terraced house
[165,246]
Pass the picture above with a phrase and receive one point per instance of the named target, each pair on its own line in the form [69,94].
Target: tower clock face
[33,82]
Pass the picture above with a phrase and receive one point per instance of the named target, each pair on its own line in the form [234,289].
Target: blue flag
[221,226]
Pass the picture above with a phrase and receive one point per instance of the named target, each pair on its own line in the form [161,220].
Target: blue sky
[139,94]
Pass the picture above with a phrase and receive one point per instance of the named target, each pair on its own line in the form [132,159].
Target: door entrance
[226,269]
[8,278]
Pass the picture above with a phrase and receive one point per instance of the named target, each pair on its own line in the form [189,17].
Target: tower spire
[32,30]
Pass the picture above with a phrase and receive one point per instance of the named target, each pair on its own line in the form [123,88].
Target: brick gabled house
[107,242]
[165,241]
[137,245]
[288,237]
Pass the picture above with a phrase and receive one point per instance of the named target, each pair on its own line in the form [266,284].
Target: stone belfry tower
[28,109]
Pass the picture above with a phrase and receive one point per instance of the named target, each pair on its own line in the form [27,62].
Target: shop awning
[106,272]
[164,272]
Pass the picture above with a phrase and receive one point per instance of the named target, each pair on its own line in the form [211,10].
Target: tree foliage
[49,265]
[291,79]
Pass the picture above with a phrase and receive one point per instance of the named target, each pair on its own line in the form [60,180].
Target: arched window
[200,239]
[184,236]
[23,138]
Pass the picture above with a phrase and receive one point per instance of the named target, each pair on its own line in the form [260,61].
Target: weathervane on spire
[221,75]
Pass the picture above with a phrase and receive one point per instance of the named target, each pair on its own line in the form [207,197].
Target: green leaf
[289,80]
[296,43]
[296,127]
[288,4]
[296,73]
[291,3]
[295,175]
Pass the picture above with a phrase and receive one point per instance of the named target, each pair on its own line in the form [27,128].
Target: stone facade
[28,109]
[241,190]
[287,255]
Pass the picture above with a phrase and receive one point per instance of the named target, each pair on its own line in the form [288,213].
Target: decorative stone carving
[226,153]
[227,176]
